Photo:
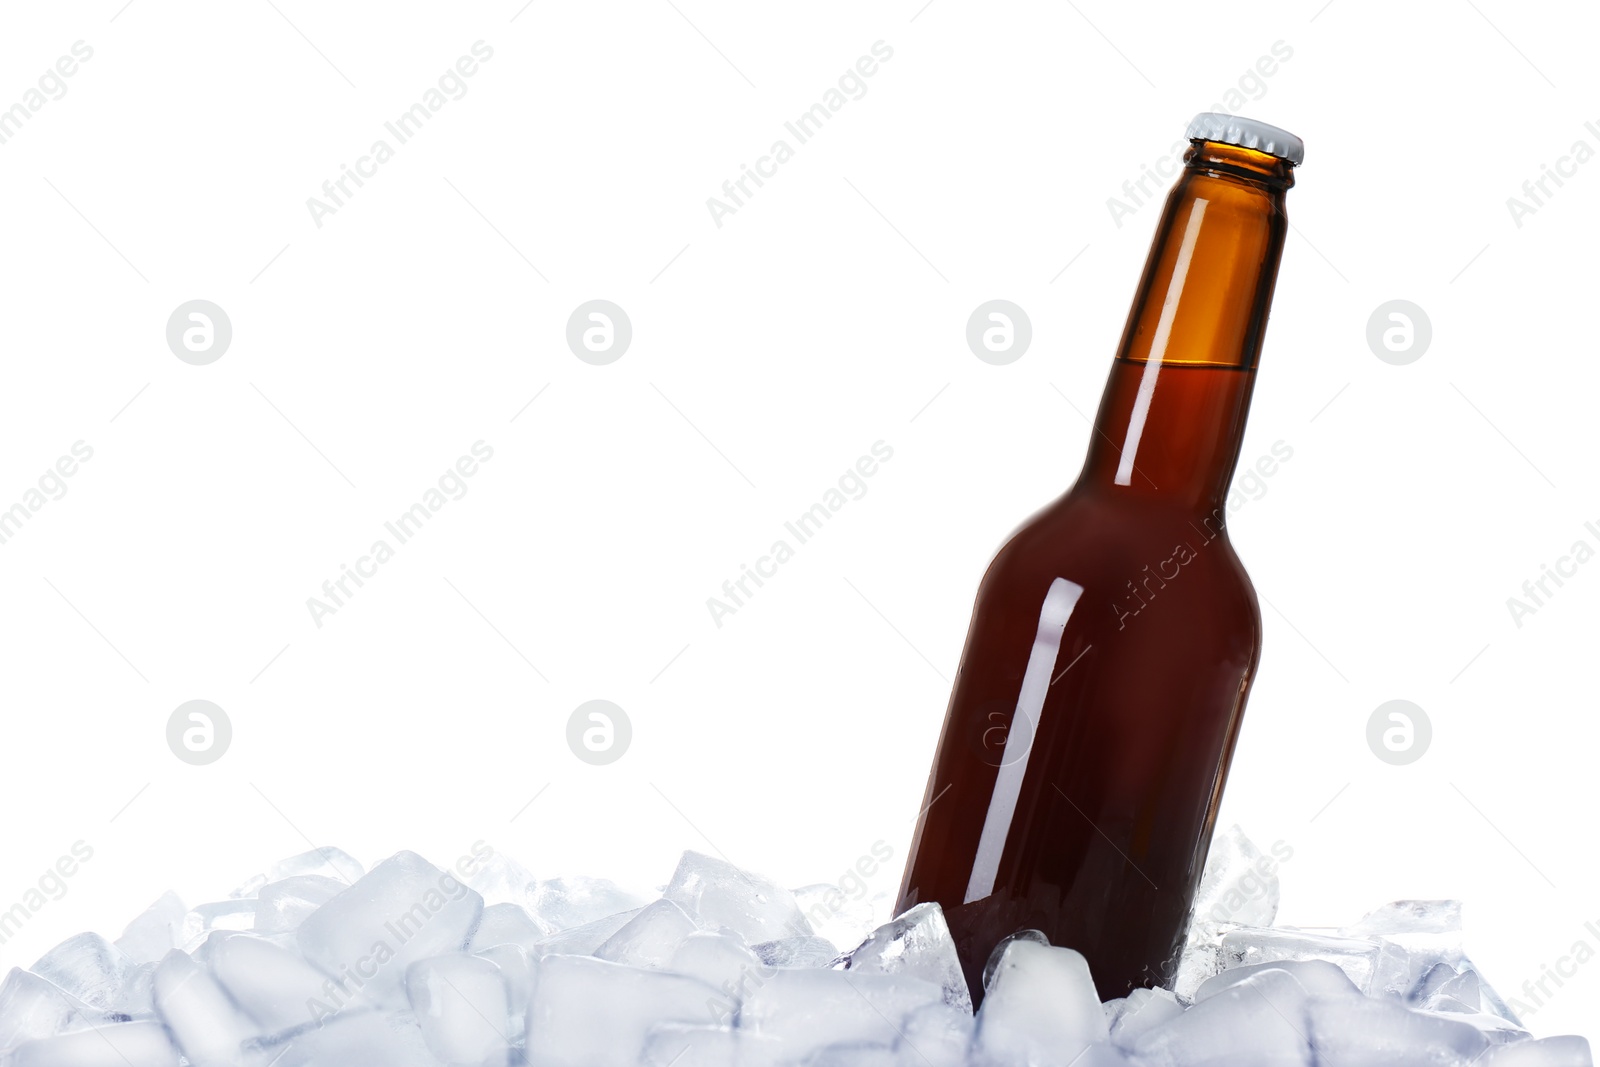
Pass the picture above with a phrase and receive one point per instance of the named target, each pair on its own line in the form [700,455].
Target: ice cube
[854,1054]
[565,903]
[283,905]
[593,1013]
[717,893]
[1493,1004]
[206,1026]
[1546,1052]
[143,1043]
[650,937]
[582,940]
[329,862]
[1319,978]
[1363,1032]
[1143,1011]
[519,973]
[1495,1030]
[1041,1006]
[88,967]
[500,879]
[156,932]
[272,984]
[719,960]
[360,1039]
[507,924]
[834,914]
[1395,971]
[1200,958]
[1240,884]
[462,1005]
[918,943]
[936,1035]
[138,993]
[677,1045]
[810,1009]
[205,919]
[1259,1020]
[1424,933]
[998,953]
[404,910]
[809,951]
[1357,957]
[1420,926]
[1463,989]
[32,1008]
[1432,979]
[1238,888]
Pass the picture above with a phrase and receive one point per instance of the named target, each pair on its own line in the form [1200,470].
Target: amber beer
[1115,635]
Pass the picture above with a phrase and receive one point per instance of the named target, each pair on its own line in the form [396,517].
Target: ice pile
[320,963]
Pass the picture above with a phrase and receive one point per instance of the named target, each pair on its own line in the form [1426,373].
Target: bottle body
[1115,634]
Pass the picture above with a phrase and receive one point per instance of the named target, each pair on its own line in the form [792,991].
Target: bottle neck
[1172,420]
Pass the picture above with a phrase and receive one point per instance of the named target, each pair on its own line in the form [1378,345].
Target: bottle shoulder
[1120,553]
[1115,524]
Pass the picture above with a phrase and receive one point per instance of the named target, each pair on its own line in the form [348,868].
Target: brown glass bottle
[1115,634]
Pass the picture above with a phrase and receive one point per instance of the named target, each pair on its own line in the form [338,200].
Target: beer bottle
[1076,781]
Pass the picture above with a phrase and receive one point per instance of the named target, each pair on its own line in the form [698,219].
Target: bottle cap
[1247,133]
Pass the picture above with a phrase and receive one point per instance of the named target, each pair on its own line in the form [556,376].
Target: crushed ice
[320,963]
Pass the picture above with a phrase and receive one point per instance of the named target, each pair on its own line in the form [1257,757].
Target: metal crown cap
[1247,133]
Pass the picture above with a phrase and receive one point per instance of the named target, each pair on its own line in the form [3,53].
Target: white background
[768,354]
